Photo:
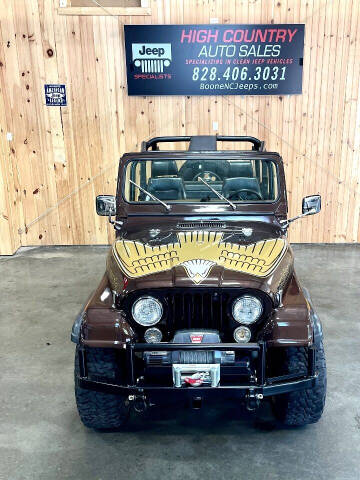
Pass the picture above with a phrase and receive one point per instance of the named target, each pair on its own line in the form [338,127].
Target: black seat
[231,186]
[167,188]
[240,169]
[192,168]
[164,168]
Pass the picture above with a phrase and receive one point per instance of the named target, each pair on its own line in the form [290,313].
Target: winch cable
[78,189]
[111,165]
[349,187]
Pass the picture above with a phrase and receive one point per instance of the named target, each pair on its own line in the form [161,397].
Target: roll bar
[258,145]
[202,142]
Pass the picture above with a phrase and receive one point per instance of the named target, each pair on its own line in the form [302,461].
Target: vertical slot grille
[196,310]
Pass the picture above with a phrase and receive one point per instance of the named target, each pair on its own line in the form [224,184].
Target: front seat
[232,186]
[163,168]
[167,188]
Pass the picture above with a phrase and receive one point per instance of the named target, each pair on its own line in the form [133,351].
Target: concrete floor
[41,436]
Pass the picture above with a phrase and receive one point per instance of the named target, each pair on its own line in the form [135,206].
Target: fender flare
[76,328]
[315,320]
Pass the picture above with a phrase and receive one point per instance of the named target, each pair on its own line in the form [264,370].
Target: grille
[150,65]
[197,310]
[201,225]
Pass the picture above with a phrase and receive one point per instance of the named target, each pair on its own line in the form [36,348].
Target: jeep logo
[151,57]
[152,51]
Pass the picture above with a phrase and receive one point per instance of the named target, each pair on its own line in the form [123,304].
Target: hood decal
[197,252]
[198,269]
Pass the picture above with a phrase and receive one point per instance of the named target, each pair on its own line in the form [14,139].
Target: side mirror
[106,205]
[311,204]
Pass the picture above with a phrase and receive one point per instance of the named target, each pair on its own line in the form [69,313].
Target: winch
[193,367]
[189,357]
[195,356]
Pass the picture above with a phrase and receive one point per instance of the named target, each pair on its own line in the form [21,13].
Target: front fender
[294,322]
[99,324]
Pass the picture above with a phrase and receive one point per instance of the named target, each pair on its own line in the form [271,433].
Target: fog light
[153,335]
[242,334]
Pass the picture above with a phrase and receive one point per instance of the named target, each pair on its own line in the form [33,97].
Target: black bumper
[261,385]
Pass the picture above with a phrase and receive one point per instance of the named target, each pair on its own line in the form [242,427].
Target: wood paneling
[93,11]
[104,3]
[60,159]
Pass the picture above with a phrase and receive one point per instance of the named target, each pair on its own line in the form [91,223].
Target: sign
[55,95]
[214,59]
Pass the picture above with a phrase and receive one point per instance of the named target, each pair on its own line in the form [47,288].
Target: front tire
[97,409]
[304,406]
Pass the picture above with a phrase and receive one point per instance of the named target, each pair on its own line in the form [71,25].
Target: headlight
[147,311]
[247,309]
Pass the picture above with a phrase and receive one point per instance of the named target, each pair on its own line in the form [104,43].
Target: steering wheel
[238,194]
[207,175]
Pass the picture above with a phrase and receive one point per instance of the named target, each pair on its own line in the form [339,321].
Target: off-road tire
[304,406]
[97,409]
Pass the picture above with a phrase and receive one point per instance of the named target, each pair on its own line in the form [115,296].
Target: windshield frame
[185,157]
[201,210]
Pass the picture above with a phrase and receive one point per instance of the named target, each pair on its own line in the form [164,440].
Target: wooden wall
[60,159]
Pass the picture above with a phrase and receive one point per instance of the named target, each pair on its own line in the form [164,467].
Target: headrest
[240,169]
[161,168]
[167,188]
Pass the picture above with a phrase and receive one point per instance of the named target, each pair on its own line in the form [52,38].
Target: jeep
[200,300]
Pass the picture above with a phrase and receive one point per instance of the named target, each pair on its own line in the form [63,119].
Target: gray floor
[41,436]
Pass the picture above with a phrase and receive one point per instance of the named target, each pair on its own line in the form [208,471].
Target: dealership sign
[214,59]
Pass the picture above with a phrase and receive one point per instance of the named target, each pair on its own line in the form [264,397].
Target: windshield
[203,180]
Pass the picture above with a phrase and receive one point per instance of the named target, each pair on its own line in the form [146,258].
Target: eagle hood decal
[197,252]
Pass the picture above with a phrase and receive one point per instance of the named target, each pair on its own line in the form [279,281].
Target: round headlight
[153,335]
[247,309]
[242,334]
[147,311]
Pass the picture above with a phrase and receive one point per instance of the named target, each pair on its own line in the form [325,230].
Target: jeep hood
[246,255]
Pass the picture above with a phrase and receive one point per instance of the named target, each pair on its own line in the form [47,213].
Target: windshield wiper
[219,195]
[151,195]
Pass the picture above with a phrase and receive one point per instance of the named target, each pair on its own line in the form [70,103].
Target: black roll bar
[257,144]
[152,144]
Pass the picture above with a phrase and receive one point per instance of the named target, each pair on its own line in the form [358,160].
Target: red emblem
[195,380]
[196,337]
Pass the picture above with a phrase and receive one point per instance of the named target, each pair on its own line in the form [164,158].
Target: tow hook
[253,400]
[139,402]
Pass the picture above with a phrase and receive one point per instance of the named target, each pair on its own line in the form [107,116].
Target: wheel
[97,409]
[304,406]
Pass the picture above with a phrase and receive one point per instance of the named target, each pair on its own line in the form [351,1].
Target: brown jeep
[200,299]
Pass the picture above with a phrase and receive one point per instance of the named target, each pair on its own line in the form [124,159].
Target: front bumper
[256,386]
